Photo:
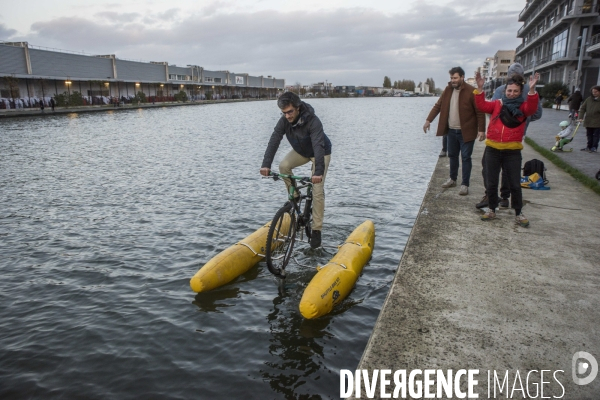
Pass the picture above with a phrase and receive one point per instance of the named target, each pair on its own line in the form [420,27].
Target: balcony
[553,59]
[533,8]
[594,45]
[579,12]
[530,7]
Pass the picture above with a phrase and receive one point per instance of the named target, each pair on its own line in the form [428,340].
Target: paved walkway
[543,132]
[491,295]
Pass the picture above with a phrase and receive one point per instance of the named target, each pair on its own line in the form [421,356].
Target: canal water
[104,218]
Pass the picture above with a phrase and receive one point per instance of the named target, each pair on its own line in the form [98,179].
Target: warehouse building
[29,74]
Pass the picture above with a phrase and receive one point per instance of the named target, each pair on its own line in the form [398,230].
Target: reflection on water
[295,357]
[213,300]
[104,218]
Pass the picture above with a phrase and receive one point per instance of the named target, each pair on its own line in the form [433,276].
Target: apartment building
[486,68]
[495,70]
[502,60]
[553,34]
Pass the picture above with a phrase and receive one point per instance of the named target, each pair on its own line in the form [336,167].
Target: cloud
[6,33]
[112,16]
[344,46]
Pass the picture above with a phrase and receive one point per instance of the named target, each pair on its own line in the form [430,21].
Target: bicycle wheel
[280,240]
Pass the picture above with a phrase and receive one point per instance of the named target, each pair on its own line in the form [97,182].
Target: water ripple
[104,217]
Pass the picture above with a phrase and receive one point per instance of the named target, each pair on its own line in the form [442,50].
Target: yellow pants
[293,160]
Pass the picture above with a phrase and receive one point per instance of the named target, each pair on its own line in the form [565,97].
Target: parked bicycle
[293,217]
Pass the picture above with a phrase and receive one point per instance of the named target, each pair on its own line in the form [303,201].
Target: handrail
[579,10]
[594,40]
[573,54]
[81,53]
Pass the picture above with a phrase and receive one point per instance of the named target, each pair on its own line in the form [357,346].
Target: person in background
[444,151]
[52,103]
[461,122]
[574,103]
[504,139]
[589,113]
[304,131]
[558,100]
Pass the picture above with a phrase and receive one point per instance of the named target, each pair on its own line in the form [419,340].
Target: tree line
[407,84]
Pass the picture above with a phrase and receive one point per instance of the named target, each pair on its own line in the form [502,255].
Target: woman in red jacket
[504,139]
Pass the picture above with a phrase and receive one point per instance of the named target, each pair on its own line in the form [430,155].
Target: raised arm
[480,81]
[533,80]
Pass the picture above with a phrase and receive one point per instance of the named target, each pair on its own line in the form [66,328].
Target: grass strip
[556,160]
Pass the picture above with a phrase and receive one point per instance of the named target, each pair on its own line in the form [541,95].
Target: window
[208,79]
[559,45]
[9,94]
[175,77]
[94,93]
[504,61]
[218,80]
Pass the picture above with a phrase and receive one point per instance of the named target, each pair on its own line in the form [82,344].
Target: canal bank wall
[493,296]
[36,112]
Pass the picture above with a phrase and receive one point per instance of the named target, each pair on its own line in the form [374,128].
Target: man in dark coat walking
[574,103]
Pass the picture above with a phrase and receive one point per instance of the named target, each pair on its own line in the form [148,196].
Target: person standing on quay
[304,131]
[52,103]
[589,113]
[558,100]
[462,122]
[504,139]
[514,69]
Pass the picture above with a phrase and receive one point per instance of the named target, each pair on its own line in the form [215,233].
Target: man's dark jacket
[575,101]
[306,137]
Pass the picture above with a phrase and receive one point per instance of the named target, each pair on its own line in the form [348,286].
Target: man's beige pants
[293,160]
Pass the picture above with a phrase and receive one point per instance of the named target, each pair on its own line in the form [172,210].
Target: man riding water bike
[304,131]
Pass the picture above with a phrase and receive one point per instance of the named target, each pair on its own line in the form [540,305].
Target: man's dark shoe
[483,203]
[503,203]
[315,239]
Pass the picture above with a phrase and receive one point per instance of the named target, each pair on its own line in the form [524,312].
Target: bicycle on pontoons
[293,217]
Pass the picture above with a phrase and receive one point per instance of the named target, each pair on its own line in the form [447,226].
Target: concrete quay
[36,112]
[493,296]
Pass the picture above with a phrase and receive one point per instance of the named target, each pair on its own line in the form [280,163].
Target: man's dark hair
[595,87]
[288,98]
[457,70]
[516,79]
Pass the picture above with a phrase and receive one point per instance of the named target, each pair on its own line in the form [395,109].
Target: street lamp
[68,83]
[580,61]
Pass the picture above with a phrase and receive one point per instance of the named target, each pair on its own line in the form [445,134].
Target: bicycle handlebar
[276,176]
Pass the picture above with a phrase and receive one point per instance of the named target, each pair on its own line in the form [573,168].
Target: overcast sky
[349,42]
